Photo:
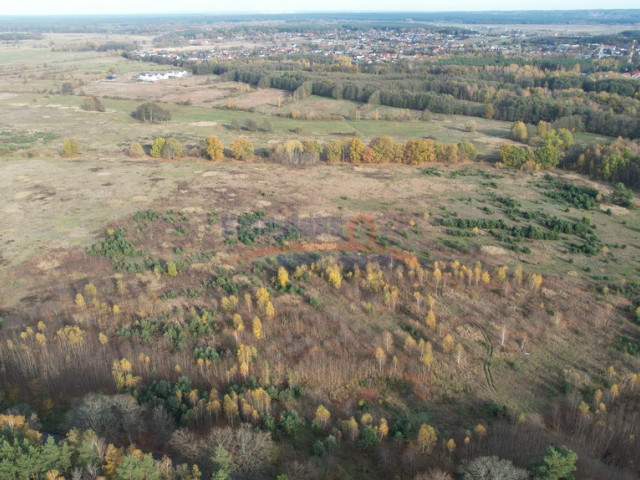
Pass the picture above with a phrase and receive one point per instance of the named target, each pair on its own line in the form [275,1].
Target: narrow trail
[486,363]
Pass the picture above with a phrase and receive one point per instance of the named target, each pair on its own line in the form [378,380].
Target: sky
[77,7]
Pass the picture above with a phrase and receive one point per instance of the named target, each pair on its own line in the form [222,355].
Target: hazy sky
[64,7]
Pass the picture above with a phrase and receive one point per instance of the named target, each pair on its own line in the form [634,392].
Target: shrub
[70,148]
[622,195]
[214,148]
[135,150]
[467,151]
[158,146]
[172,148]
[242,149]
[251,125]
[519,131]
[151,112]
[470,126]
[92,104]
[492,468]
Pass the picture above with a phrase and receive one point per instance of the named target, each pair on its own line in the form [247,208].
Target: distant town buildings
[154,77]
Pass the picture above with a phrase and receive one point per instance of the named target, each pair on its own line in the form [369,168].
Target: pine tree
[222,460]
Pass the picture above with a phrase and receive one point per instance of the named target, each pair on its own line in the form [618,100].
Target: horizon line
[295,12]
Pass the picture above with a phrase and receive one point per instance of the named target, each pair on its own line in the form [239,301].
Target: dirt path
[486,362]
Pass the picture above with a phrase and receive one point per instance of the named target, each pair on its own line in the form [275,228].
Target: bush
[251,125]
[172,148]
[622,195]
[492,468]
[467,151]
[242,149]
[70,148]
[214,148]
[470,126]
[158,146]
[151,112]
[135,150]
[519,132]
[92,104]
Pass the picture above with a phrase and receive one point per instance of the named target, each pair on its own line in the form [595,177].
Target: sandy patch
[21,195]
[7,96]
[209,174]
[46,265]
[615,209]
[493,250]
[78,233]
[204,124]
[193,210]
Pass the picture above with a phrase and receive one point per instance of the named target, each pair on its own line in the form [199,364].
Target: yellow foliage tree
[334,276]
[427,438]
[322,416]
[230,407]
[480,430]
[122,374]
[262,296]
[427,356]
[112,460]
[257,328]
[383,428]
[269,311]
[380,357]
[431,320]
[447,343]
[90,289]
[283,277]
[451,446]
[80,303]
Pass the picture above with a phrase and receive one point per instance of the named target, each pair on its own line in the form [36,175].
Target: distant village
[375,46]
[154,77]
